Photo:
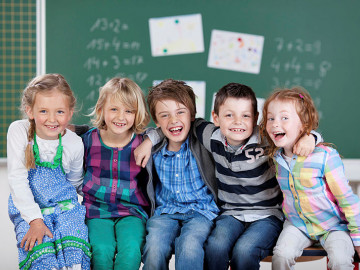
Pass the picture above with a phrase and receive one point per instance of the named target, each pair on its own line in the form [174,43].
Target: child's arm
[201,130]
[17,173]
[142,153]
[74,160]
[78,129]
[21,193]
[348,202]
[306,144]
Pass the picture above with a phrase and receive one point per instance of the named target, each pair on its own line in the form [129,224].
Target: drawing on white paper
[199,88]
[235,51]
[176,35]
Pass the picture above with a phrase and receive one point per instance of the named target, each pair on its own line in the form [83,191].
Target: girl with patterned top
[45,170]
[116,205]
[319,204]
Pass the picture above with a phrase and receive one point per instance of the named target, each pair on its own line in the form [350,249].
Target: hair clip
[31,142]
[301,96]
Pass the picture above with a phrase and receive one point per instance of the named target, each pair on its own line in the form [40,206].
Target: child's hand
[142,153]
[36,232]
[305,146]
[357,249]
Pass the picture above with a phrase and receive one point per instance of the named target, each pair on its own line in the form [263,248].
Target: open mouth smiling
[279,135]
[237,130]
[119,124]
[52,127]
[175,130]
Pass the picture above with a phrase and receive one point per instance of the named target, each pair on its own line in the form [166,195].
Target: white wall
[8,250]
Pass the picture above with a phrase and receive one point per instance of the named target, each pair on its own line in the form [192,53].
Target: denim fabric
[183,233]
[242,244]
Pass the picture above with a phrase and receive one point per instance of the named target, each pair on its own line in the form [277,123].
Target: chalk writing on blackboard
[299,62]
[104,24]
[111,52]
[293,66]
[100,44]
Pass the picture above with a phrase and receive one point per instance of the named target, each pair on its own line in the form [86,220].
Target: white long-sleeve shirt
[72,162]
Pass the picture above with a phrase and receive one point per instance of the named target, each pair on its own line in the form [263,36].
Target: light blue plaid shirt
[181,187]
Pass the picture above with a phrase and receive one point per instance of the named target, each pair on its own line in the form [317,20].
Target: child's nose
[173,118]
[120,115]
[52,117]
[275,123]
[237,120]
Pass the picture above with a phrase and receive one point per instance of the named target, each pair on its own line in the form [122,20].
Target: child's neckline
[111,146]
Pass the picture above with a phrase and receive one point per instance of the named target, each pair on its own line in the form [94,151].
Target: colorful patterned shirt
[113,181]
[317,195]
[181,188]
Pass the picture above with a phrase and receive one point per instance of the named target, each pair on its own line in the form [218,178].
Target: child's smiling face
[283,124]
[119,118]
[51,112]
[236,120]
[174,119]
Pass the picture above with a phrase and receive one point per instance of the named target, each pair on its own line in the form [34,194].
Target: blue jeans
[243,244]
[184,233]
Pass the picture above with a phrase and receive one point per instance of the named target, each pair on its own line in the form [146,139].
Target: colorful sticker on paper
[235,51]
[176,35]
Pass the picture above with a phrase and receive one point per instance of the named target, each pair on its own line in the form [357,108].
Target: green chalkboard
[309,43]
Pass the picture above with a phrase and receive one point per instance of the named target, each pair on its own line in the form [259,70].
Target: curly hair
[305,109]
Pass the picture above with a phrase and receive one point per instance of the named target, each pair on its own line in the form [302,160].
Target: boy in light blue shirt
[182,185]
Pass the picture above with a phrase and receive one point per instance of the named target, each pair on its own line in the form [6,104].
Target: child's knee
[103,250]
[286,255]
[339,261]
[340,255]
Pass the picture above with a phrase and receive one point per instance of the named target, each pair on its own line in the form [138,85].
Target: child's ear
[29,112]
[215,118]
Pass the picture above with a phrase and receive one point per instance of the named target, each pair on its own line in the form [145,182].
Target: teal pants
[116,242]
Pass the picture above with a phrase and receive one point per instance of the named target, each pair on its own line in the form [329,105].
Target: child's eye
[246,116]
[284,118]
[228,115]
[60,112]
[181,112]
[130,111]
[163,115]
[113,109]
[270,119]
[43,111]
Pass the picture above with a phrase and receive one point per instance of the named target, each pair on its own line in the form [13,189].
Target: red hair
[305,109]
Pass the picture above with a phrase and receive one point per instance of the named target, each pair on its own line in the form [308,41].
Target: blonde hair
[305,109]
[127,92]
[41,84]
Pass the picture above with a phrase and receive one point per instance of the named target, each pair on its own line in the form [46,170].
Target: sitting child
[319,204]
